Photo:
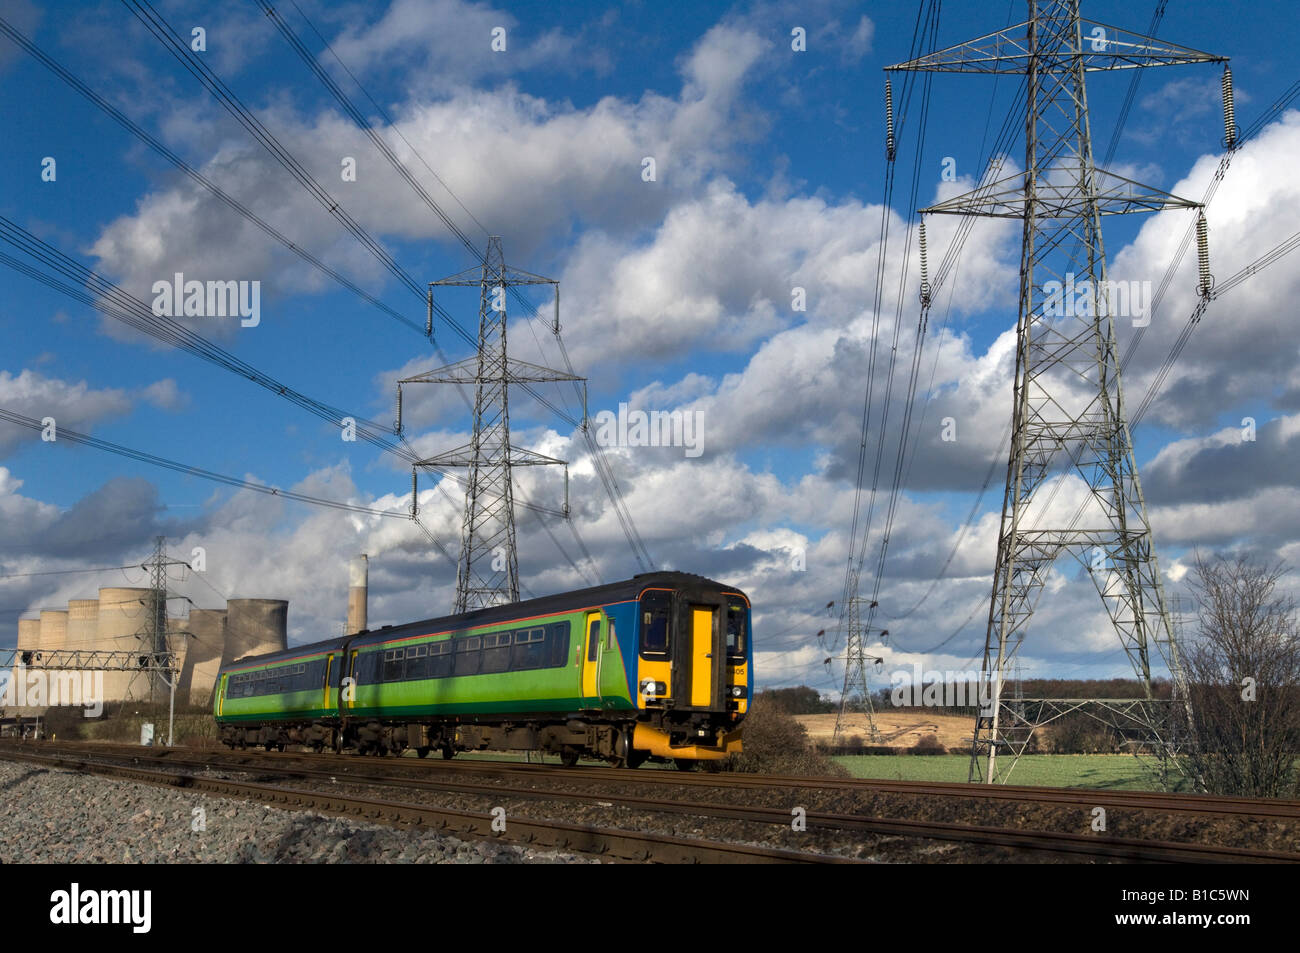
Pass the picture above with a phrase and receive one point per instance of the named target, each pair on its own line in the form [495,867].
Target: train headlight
[652,689]
[737,691]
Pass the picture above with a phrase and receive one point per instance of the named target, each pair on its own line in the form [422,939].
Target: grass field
[1118,772]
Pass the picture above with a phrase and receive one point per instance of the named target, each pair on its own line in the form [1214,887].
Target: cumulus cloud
[77,406]
[530,168]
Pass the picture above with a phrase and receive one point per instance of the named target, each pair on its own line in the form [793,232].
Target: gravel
[55,816]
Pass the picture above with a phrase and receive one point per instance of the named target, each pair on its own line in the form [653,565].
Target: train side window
[736,634]
[467,656]
[417,665]
[496,652]
[593,639]
[440,657]
[559,644]
[530,649]
[393,664]
[656,609]
[368,668]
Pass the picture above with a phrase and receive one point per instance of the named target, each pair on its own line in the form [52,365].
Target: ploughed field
[898,729]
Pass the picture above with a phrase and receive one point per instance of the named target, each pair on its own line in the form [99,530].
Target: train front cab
[692,672]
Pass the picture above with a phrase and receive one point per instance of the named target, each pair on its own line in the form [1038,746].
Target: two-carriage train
[656,667]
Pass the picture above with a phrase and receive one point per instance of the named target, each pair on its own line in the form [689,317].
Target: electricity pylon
[487,572]
[855,665]
[1068,411]
[154,631]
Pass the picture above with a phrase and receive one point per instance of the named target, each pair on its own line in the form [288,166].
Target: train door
[591,658]
[703,624]
[221,695]
[329,670]
[348,697]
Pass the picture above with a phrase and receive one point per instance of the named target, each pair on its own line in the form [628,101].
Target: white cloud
[76,406]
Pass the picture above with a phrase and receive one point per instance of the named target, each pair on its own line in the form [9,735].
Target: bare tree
[1244,676]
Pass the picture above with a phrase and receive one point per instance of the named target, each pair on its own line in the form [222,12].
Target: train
[654,668]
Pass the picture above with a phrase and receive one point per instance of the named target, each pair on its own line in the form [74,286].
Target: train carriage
[653,667]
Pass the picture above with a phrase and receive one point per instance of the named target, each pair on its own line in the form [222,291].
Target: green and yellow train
[656,667]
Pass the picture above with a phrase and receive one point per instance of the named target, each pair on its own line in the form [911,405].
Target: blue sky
[675,294]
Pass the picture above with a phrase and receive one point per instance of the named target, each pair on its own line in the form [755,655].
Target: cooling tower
[358,583]
[255,627]
[124,627]
[176,640]
[207,644]
[29,634]
[177,643]
[53,630]
[29,637]
[83,624]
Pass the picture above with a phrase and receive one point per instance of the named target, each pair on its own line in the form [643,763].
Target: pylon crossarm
[525,372]
[497,456]
[457,373]
[1008,51]
[984,54]
[1113,195]
[473,277]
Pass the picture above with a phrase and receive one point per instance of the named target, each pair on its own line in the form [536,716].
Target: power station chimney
[358,583]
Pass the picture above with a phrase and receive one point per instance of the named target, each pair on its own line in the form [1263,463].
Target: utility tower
[487,573]
[855,665]
[154,633]
[1068,412]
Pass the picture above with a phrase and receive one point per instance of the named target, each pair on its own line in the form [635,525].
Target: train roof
[623,591]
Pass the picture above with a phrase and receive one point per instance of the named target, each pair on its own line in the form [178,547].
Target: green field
[1120,772]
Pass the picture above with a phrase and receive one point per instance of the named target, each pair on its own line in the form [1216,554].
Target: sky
[679,292]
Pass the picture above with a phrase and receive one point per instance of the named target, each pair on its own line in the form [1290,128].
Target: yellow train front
[693,667]
[654,667]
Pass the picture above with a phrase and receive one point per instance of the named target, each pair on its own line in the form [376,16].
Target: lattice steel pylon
[855,663]
[1068,408]
[154,632]
[487,572]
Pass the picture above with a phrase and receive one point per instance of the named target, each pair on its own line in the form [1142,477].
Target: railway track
[639,846]
[413,776]
[1195,804]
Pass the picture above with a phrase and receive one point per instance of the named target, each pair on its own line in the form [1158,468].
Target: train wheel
[683,764]
[448,752]
[422,751]
[636,758]
[569,756]
[626,755]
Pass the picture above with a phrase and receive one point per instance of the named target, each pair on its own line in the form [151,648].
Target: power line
[72,436]
[162,150]
[178,48]
[62,572]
